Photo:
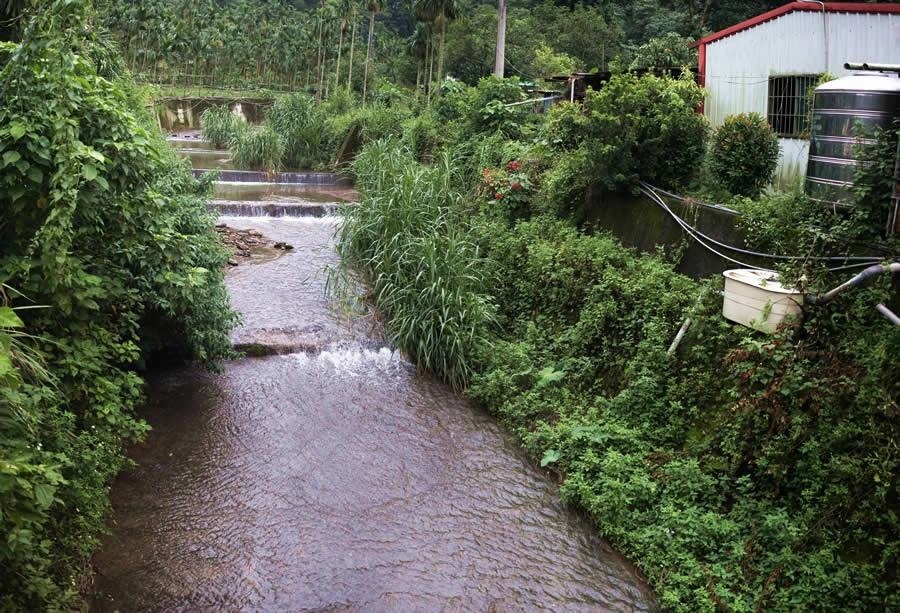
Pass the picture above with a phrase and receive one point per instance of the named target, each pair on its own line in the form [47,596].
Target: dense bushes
[293,118]
[744,154]
[648,128]
[105,229]
[724,471]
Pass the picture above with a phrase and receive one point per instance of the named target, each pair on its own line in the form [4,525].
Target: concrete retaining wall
[640,223]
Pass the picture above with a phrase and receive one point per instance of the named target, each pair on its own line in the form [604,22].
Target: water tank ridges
[867,101]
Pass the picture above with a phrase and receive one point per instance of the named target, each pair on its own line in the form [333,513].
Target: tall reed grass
[218,125]
[257,149]
[408,237]
[301,129]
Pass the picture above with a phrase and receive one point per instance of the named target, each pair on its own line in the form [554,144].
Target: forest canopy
[290,44]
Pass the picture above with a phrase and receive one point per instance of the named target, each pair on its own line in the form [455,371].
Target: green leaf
[11,157]
[9,319]
[43,494]
[549,375]
[89,172]
[6,365]
[17,130]
[550,456]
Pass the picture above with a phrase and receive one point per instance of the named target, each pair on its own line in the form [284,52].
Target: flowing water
[335,477]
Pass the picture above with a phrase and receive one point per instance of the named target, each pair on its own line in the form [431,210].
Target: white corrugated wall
[738,67]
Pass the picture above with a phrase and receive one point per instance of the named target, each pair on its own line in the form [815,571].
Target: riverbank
[723,469]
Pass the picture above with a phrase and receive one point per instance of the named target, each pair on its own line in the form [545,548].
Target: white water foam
[355,360]
[237,220]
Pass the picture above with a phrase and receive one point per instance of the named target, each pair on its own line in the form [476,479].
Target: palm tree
[373,6]
[323,22]
[438,12]
[354,19]
[417,44]
[344,10]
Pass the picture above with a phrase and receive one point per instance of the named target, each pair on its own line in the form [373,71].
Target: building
[769,63]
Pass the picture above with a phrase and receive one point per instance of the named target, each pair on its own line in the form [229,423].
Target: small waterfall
[355,359]
[250,208]
[305,178]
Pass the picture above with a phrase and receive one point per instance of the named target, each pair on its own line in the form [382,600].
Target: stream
[332,476]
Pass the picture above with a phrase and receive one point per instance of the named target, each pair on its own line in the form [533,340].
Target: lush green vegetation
[325,47]
[219,126]
[740,472]
[107,257]
[257,149]
[744,154]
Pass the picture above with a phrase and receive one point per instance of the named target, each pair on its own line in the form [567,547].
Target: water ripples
[339,479]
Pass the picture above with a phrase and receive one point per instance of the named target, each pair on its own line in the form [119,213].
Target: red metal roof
[831,7]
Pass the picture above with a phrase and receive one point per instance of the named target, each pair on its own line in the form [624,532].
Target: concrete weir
[255,176]
[255,208]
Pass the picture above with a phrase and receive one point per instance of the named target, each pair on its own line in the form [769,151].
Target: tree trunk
[368,54]
[430,68]
[440,74]
[322,66]
[352,45]
[500,56]
[337,72]
[703,15]
[418,77]
[319,64]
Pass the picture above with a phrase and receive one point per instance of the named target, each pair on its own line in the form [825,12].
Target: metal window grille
[789,104]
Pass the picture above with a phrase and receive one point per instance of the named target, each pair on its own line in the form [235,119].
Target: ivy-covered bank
[107,255]
[739,472]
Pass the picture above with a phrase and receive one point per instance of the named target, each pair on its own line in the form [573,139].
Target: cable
[691,232]
[506,61]
[836,258]
[695,234]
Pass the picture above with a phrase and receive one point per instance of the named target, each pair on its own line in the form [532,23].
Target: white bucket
[756,299]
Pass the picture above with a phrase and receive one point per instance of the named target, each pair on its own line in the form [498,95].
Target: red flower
[512,166]
[516,186]
[498,196]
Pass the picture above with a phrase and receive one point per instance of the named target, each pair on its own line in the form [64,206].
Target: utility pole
[500,57]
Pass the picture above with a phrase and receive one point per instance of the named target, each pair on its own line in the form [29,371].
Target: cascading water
[336,477]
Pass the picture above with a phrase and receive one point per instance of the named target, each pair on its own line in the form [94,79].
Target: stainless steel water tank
[870,100]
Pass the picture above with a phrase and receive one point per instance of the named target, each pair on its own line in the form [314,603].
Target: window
[789,104]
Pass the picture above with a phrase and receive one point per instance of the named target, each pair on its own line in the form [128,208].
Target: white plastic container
[756,299]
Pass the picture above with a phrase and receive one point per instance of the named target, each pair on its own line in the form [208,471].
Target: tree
[373,6]
[417,45]
[344,10]
[669,51]
[12,13]
[354,19]
[439,13]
